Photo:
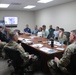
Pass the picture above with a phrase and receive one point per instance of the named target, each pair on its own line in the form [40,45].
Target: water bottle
[52,43]
[62,44]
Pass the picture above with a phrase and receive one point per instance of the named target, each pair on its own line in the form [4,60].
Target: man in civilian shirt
[44,31]
[27,29]
[56,33]
[6,33]
[2,36]
[51,30]
[35,31]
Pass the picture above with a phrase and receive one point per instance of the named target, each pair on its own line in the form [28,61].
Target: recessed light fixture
[29,7]
[4,5]
[44,1]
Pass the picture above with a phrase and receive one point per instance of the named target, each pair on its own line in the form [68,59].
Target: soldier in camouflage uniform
[2,44]
[13,44]
[65,60]
[62,37]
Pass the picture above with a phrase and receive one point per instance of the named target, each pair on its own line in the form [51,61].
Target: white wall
[62,15]
[25,17]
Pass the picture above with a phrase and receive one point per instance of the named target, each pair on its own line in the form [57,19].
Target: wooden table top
[41,40]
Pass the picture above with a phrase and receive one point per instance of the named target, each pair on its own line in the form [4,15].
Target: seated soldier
[13,44]
[62,37]
[62,64]
[2,44]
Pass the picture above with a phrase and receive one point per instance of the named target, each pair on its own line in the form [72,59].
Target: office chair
[17,61]
[67,35]
[1,53]
[17,30]
[72,65]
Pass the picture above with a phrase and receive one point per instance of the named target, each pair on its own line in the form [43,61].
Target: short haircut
[12,34]
[27,25]
[57,27]
[61,29]
[74,32]
[44,26]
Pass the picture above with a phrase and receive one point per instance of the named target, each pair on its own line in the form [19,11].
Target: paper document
[39,34]
[20,38]
[48,50]
[37,45]
[26,41]
[60,48]
[57,43]
[49,42]
[32,37]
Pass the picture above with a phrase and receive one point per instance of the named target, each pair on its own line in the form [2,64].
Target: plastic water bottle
[52,43]
[62,44]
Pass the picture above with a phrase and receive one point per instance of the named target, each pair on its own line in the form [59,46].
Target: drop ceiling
[20,4]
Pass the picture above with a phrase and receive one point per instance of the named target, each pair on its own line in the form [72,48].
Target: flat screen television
[11,21]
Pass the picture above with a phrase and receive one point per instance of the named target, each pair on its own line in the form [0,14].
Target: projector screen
[11,21]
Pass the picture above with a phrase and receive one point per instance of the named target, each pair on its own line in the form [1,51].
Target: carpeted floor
[5,70]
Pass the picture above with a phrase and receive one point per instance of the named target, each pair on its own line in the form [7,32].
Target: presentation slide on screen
[11,20]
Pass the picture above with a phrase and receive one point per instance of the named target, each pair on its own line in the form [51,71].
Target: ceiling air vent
[15,3]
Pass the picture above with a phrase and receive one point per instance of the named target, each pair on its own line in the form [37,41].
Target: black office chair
[67,35]
[1,53]
[17,30]
[17,61]
[72,65]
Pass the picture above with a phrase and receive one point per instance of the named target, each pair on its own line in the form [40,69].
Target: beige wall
[62,15]
[24,18]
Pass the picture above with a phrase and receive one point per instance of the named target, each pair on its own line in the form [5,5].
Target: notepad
[60,48]
[47,50]
[26,41]
[52,51]
[55,43]
[37,45]
[20,38]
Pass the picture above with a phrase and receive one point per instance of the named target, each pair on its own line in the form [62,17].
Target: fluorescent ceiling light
[4,5]
[29,7]
[44,1]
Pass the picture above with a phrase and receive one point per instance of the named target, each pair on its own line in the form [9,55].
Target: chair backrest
[72,65]
[17,30]
[67,35]
[14,55]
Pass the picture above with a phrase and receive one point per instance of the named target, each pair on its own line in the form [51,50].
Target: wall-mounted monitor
[11,21]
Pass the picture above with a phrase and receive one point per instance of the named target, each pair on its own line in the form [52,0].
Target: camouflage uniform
[62,38]
[64,61]
[1,48]
[24,55]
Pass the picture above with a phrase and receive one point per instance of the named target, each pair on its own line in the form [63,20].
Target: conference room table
[40,47]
